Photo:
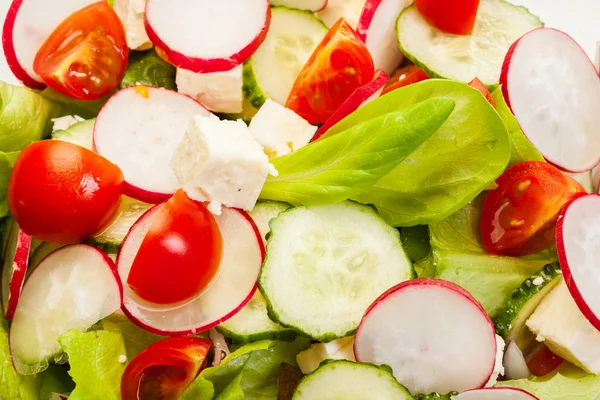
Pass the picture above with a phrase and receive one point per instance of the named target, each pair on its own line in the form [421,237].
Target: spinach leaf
[332,170]
[460,160]
[147,68]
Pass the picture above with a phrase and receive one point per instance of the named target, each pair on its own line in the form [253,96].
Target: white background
[579,18]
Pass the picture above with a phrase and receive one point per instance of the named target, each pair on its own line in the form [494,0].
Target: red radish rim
[17,278]
[430,282]
[566,269]
[366,17]
[504,84]
[135,320]
[200,65]
[9,48]
[502,388]
[355,101]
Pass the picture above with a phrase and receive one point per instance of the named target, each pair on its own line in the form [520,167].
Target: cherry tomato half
[338,66]
[542,361]
[86,55]
[519,217]
[477,84]
[405,76]
[180,254]
[63,193]
[456,16]
[163,370]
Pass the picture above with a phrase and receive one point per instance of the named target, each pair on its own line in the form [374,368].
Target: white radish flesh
[554,91]
[361,96]
[139,129]
[377,28]
[233,286]
[515,366]
[207,35]
[433,334]
[27,26]
[14,269]
[310,5]
[498,393]
[578,248]
[72,288]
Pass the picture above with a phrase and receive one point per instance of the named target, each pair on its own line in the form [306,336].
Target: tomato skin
[477,84]
[456,16]
[405,76]
[519,217]
[180,254]
[86,55]
[63,193]
[339,65]
[542,361]
[163,370]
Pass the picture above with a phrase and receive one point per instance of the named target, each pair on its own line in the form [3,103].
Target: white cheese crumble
[131,14]
[217,91]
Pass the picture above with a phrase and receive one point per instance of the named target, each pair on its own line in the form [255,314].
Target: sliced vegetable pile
[297,199]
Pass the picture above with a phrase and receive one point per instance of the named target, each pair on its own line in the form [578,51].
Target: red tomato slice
[477,84]
[164,369]
[405,76]
[542,361]
[456,16]
[63,193]
[339,65]
[86,55]
[519,217]
[180,254]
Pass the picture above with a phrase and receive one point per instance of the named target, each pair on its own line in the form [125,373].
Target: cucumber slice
[326,264]
[40,253]
[109,240]
[349,380]
[270,73]
[464,57]
[252,323]
[510,322]
[80,133]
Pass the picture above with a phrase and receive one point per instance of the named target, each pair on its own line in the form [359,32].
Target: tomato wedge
[519,217]
[456,16]
[405,76]
[63,193]
[338,66]
[542,361]
[179,255]
[477,84]
[86,55]
[163,370]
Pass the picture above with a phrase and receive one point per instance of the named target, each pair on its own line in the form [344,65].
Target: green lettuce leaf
[94,360]
[55,379]
[25,117]
[567,383]
[136,339]
[70,106]
[334,169]
[7,161]
[415,240]
[458,256]
[521,148]
[250,373]
[458,162]
[147,68]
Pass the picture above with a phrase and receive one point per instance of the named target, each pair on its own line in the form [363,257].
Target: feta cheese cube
[339,349]
[559,323]
[217,91]
[131,13]
[280,130]
[221,163]
[62,123]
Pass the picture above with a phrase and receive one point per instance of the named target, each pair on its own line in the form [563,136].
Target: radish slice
[498,393]
[434,335]
[16,258]
[377,28]
[310,5]
[233,286]
[72,288]
[515,366]
[361,96]
[577,239]
[207,35]
[139,129]
[554,91]
[27,26]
